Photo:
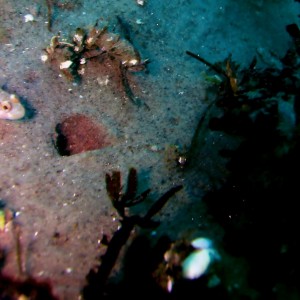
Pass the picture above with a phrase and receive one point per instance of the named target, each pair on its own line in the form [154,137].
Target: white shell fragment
[140,2]
[198,262]
[201,243]
[44,57]
[28,18]
[10,107]
[139,21]
[66,64]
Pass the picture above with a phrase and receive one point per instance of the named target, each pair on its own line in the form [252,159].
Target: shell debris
[198,261]
[28,18]
[141,2]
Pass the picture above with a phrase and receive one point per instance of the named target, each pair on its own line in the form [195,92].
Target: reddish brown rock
[79,133]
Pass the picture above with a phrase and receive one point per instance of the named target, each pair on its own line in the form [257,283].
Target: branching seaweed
[248,96]
[119,200]
[97,279]
[98,43]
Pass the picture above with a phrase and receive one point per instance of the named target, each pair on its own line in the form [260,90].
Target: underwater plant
[97,278]
[257,204]
[97,43]
[21,285]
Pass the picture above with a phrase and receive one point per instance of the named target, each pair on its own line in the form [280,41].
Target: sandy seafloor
[66,194]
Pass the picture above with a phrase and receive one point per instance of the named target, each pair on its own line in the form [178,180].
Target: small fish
[10,106]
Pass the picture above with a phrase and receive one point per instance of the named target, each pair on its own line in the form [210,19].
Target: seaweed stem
[128,91]
[214,67]
[49,15]
[20,265]
[97,278]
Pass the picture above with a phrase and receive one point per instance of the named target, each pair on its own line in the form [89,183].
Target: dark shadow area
[12,289]
[29,109]
[257,206]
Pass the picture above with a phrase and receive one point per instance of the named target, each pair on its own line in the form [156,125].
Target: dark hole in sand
[79,133]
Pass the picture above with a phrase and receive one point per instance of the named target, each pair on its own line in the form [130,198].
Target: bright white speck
[28,18]
[154,148]
[44,57]
[66,64]
[139,21]
[201,243]
[170,284]
[196,264]
[133,62]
